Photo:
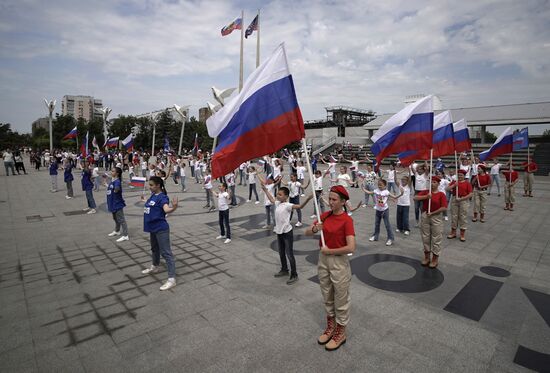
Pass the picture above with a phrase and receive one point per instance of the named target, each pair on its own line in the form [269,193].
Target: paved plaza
[74,300]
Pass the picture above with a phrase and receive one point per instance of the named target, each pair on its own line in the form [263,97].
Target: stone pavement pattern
[72,299]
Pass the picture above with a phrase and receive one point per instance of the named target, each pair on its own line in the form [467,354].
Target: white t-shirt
[391,176]
[269,188]
[495,169]
[282,217]
[381,199]
[252,177]
[230,179]
[152,172]
[331,167]
[276,171]
[95,172]
[405,199]
[420,182]
[208,182]
[143,165]
[466,168]
[354,166]
[294,188]
[300,171]
[343,180]
[243,166]
[222,201]
[474,168]
[318,183]
[444,183]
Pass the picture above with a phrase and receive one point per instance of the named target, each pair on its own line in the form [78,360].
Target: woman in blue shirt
[68,177]
[87,187]
[154,222]
[115,204]
[53,174]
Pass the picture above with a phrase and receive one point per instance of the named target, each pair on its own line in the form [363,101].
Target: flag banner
[94,143]
[521,139]
[503,145]
[251,28]
[235,25]
[128,142]
[409,129]
[166,144]
[84,147]
[112,142]
[263,118]
[138,181]
[407,158]
[461,136]
[71,135]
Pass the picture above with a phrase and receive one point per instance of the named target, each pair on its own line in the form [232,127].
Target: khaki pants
[334,273]
[528,181]
[459,213]
[509,193]
[431,228]
[480,201]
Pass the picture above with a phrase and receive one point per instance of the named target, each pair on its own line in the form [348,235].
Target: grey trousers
[120,221]
[69,188]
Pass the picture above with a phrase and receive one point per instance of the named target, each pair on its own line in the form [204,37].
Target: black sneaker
[292,279]
[281,273]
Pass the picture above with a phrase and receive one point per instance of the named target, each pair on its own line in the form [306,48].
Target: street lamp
[105,113]
[182,112]
[50,105]
[153,118]
[219,95]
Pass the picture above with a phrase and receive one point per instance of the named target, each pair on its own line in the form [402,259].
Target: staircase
[541,156]
[330,142]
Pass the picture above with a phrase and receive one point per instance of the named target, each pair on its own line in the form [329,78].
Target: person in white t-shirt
[421,184]
[242,172]
[495,176]
[300,175]
[268,186]
[207,185]
[443,184]
[318,187]
[283,229]
[223,212]
[343,178]
[294,187]
[381,195]
[354,168]
[230,180]
[403,206]
[251,176]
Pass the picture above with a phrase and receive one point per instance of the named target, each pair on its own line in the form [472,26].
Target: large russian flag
[128,142]
[461,136]
[503,145]
[84,147]
[112,142]
[71,135]
[263,118]
[409,129]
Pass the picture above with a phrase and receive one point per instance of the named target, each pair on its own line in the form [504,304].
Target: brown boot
[507,207]
[452,234]
[329,331]
[338,338]
[482,218]
[474,219]
[435,261]
[427,258]
[462,235]
[511,207]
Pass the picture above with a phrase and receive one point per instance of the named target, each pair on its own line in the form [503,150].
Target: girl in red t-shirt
[333,268]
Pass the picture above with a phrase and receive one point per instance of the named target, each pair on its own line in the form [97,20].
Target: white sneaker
[152,269]
[446,218]
[389,242]
[220,237]
[247,200]
[227,240]
[68,197]
[257,202]
[92,211]
[313,216]
[299,224]
[302,195]
[407,233]
[372,239]
[86,209]
[114,233]
[123,238]
[364,205]
[170,283]
[350,213]
[416,224]
[265,226]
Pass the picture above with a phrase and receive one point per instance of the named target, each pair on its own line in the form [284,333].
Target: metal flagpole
[242,43]
[430,180]
[456,173]
[258,40]
[312,183]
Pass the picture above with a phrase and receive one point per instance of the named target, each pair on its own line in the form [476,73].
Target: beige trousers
[459,213]
[432,232]
[334,273]
[480,201]
[528,181]
[509,193]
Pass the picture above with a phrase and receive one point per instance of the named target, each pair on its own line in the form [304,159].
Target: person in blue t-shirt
[115,205]
[154,222]
[68,177]
[53,174]
[87,186]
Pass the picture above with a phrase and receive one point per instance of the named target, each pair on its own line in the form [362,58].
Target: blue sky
[139,56]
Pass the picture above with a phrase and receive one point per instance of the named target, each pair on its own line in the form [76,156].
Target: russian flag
[407,158]
[138,181]
[262,119]
[409,129]
[503,145]
[71,135]
[235,25]
[521,139]
[84,147]
[128,142]
[112,142]
[461,136]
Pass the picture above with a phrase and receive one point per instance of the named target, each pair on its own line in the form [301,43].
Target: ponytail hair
[158,181]
[118,171]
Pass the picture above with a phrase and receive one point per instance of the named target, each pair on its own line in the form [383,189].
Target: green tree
[546,134]
[11,139]
[490,137]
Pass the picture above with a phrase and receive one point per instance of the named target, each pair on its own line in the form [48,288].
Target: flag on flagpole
[461,136]
[112,142]
[71,135]
[503,145]
[235,25]
[251,28]
[84,147]
[196,144]
[263,118]
[166,144]
[95,144]
[409,129]
[138,181]
[521,139]
[128,142]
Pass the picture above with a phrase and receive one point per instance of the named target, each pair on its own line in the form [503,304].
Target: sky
[140,56]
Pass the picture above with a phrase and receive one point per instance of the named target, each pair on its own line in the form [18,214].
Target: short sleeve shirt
[115,201]
[405,199]
[381,199]
[270,188]
[464,188]
[344,180]
[154,217]
[438,200]
[223,197]
[282,217]
[336,228]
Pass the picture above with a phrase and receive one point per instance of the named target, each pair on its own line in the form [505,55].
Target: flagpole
[430,180]
[312,183]
[477,178]
[258,40]
[456,173]
[242,43]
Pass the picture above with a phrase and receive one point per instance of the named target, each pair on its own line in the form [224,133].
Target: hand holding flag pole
[312,183]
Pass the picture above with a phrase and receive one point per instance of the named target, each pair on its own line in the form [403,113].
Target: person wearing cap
[462,192]
[481,183]
[334,270]
[511,178]
[431,226]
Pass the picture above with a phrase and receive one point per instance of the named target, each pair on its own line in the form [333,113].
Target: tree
[11,139]
[490,137]
[546,134]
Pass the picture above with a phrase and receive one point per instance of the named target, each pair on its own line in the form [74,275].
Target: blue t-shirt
[53,168]
[68,173]
[154,218]
[87,180]
[115,201]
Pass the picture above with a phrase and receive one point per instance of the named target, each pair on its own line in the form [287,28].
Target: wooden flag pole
[477,178]
[312,183]
[456,173]
[430,180]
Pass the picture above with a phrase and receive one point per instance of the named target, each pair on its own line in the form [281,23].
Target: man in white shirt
[9,163]
[421,174]
[495,176]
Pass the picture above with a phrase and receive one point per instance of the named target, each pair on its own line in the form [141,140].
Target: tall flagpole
[456,173]
[258,40]
[430,180]
[242,43]
[312,183]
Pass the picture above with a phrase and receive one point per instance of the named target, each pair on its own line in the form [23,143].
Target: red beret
[482,166]
[436,178]
[341,191]
[462,172]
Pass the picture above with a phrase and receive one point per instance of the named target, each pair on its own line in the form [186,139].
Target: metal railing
[331,141]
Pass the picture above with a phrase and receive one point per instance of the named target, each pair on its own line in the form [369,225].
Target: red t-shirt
[510,176]
[438,200]
[464,188]
[529,167]
[483,181]
[335,229]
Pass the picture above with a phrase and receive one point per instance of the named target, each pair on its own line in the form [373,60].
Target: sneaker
[350,213]
[170,283]
[68,197]
[123,238]
[364,205]
[299,224]
[446,218]
[292,279]
[313,216]
[389,242]
[407,233]
[114,233]
[281,273]
[228,240]
[302,195]
[86,209]
[92,211]
[247,200]
[372,239]
[220,237]
[257,202]
[397,230]
[266,227]
[416,224]
[152,269]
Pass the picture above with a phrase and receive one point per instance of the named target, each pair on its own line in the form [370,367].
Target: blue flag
[251,28]
[521,139]
[166,144]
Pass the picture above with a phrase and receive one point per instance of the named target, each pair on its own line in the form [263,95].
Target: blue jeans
[233,196]
[403,218]
[417,208]
[370,188]
[285,242]
[392,187]
[295,201]
[252,188]
[223,220]
[386,216]
[160,245]
[182,181]
[320,202]
[90,199]
[496,180]
[270,214]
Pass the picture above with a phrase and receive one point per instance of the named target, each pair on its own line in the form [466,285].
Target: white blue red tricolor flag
[84,147]
[262,119]
[521,139]
[461,136]
[128,142]
[251,28]
[111,143]
[138,181]
[71,135]
[409,129]
[95,144]
[503,145]
[237,24]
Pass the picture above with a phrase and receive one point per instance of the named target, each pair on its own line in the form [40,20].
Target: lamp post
[153,118]
[182,113]
[50,105]
[219,95]
[105,113]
